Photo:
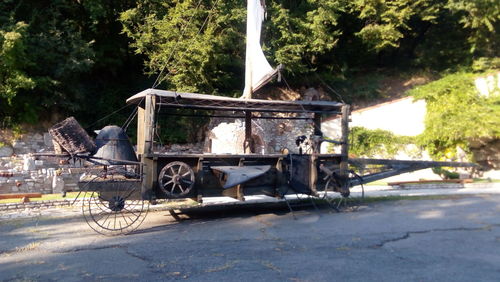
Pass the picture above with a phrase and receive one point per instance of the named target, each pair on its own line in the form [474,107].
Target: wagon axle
[116,203]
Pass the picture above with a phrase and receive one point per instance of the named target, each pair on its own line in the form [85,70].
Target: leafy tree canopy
[60,57]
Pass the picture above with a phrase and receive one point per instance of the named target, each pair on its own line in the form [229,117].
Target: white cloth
[257,69]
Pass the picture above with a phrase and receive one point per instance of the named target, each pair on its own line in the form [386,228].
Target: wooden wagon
[122,185]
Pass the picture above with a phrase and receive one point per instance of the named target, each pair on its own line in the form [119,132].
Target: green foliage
[482,19]
[484,64]
[370,143]
[384,21]
[13,54]
[199,47]
[445,174]
[202,47]
[176,128]
[456,113]
[300,33]
[63,58]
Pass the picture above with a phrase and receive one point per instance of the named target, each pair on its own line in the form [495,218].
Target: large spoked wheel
[176,179]
[116,210]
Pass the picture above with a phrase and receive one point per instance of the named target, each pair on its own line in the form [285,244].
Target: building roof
[172,99]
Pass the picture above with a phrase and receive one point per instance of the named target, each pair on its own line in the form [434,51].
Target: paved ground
[455,239]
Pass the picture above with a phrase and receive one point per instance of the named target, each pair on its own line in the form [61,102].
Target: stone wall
[22,173]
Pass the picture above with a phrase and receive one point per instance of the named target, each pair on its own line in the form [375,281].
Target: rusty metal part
[231,176]
[6,174]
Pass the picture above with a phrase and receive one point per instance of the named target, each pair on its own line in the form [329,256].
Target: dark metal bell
[113,144]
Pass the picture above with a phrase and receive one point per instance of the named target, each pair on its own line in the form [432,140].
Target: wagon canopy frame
[182,100]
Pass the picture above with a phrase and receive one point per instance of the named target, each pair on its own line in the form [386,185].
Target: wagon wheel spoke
[186,181]
[180,188]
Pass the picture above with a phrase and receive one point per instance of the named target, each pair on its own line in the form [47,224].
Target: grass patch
[400,198]
[475,180]
[352,202]
[486,180]
[29,247]
[376,183]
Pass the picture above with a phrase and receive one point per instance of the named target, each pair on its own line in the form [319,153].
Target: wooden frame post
[344,148]
[140,132]
[313,164]
[145,138]
[317,124]
[248,146]
[149,123]
[318,134]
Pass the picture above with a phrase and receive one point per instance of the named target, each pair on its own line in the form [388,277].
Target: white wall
[402,117]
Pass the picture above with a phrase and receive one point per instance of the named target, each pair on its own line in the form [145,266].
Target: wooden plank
[20,195]
[141,140]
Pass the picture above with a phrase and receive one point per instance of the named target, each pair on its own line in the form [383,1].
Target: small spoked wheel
[331,187]
[118,209]
[176,179]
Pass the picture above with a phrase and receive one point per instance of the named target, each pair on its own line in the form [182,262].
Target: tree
[200,44]
[64,58]
[12,63]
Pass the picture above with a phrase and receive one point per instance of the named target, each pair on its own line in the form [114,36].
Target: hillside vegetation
[84,58]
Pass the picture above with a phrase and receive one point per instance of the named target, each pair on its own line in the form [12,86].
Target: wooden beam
[318,133]
[149,168]
[141,138]
[248,146]
[149,123]
[20,195]
[344,148]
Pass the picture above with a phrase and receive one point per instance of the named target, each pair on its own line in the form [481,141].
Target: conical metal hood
[113,144]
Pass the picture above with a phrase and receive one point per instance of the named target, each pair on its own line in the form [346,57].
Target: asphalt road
[455,239]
